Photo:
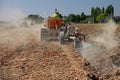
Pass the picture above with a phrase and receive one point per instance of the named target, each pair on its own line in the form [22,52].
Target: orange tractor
[56,29]
[52,27]
[53,22]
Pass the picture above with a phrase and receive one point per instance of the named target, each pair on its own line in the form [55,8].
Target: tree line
[98,15]
[35,18]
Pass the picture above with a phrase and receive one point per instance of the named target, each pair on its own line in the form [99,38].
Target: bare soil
[51,61]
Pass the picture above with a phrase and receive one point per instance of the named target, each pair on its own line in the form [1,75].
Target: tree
[110,11]
[103,10]
[60,16]
[101,17]
[83,16]
[65,18]
[97,11]
[92,14]
[35,18]
[77,18]
[71,18]
[92,11]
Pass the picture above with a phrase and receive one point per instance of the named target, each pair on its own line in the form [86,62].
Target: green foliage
[83,16]
[92,11]
[77,20]
[100,17]
[97,11]
[103,10]
[97,15]
[60,15]
[35,18]
[84,21]
[65,18]
[71,18]
[110,10]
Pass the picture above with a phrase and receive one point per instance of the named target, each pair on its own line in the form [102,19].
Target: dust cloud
[96,52]
[19,35]
[15,30]
[108,38]
[11,14]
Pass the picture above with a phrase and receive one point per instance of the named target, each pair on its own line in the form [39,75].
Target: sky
[46,7]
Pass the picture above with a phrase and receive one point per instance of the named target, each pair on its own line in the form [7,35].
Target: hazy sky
[46,7]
